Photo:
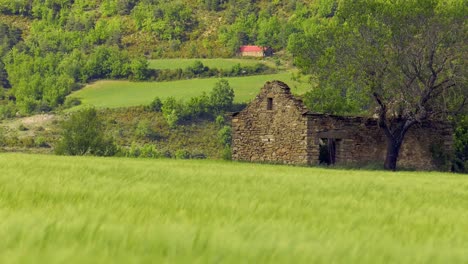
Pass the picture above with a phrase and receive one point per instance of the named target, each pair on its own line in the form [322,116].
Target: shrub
[225,136]
[460,162]
[221,97]
[182,154]
[197,107]
[71,102]
[144,130]
[83,133]
[227,154]
[27,142]
[40,142]
[8,111]
[155,105]
[149,151]
[220,122]
[172,111]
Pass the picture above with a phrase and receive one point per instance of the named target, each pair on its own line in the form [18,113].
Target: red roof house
[255,51]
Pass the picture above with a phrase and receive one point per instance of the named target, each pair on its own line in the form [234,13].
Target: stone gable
[276,127]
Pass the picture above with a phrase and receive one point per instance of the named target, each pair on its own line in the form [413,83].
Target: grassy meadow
[116,210]
[211,63]
[114,94]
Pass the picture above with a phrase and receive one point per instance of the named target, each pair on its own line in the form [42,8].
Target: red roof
[251,49]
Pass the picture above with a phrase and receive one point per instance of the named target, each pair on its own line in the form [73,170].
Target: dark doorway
[327,151]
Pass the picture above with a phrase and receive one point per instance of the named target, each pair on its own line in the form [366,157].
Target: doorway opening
[327,151]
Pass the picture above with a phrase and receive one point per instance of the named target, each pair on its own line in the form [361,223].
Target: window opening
[270,104]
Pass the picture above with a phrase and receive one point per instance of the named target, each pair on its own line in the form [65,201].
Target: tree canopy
[406,59]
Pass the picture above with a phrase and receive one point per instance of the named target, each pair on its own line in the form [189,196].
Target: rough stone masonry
[276,127]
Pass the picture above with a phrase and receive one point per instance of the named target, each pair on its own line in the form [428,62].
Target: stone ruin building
[276,127]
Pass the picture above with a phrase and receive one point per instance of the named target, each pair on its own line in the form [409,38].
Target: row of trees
[217,102]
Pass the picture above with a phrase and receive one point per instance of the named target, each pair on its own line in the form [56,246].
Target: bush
[172,111]
[149,151]
[225,136]
[83,133]
[71,102]
[155,105]
[8,111]
[40,142]
[27,142]
[221,97]
[182,154]
[460,162]
[144,130]
[227,154]
[220,122]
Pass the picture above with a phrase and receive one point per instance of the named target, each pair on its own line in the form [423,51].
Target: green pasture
[114,94]
[115,210]
[211,63]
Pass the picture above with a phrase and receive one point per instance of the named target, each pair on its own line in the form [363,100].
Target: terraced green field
[114,94]
[115,210]
[211,63]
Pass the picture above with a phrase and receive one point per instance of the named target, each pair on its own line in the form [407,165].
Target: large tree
[407,56]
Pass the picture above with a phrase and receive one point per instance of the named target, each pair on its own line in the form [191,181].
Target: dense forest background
[50,47]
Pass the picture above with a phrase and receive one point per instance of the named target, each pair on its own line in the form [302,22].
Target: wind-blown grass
[114,94]
[111,210]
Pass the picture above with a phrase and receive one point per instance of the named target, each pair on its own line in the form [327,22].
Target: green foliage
[221,97]
[460,163]
[227,153]
[41,142]
[172,111]
[144,130]
[225,136]
[71,102]
[401,56]
[334,101]
[204,106]
[220,122]
[156,105]
[145,151]
[182,154]
[83,133]
[8,110]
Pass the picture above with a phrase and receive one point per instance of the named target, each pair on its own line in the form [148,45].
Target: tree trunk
[393,151]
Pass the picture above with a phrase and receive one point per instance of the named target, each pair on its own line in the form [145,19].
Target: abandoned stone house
[276,127]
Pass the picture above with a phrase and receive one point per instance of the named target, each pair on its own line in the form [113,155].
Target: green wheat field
[116,210]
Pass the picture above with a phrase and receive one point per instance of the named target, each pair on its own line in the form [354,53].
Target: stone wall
[361,141]
[276,127]
[278,135]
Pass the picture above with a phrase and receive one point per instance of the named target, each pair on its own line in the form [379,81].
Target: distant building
[277,127]
[255,51]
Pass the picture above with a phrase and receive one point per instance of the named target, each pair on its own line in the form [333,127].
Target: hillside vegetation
[84,209]
[49,48]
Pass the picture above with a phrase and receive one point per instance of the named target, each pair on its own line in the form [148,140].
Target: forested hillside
[50,47]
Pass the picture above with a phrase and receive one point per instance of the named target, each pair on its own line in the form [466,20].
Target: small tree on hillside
[83,133]
[408,56]
[221,97]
